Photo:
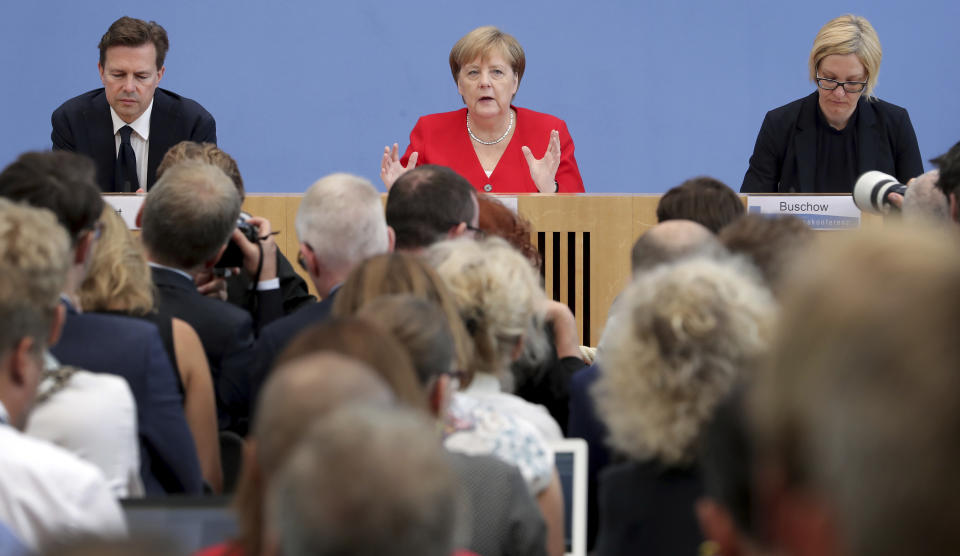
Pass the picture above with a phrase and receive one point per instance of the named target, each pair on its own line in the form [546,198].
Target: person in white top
[45,492]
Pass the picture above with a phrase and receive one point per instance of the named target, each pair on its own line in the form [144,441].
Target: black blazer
[227,335]
[83,125]
[785,156]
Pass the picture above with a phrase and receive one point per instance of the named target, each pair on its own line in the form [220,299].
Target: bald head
[305,389]
[670,241]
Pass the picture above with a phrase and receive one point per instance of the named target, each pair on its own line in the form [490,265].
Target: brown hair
[498,220]
[128,31]
[204,152]
[118,278]
[770,242]
[704,200]
[399,273]
[479,43]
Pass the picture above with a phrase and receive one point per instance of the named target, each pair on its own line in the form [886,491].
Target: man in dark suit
[128,125]
[187,221]
[131,348]
[340,223]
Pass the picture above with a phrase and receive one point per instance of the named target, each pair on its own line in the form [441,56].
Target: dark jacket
[784,158]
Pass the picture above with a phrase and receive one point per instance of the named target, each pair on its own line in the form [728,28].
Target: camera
[233,255]
[872,192]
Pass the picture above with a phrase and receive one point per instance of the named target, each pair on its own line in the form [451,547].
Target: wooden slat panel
[548,264]
[578,281]
[564,273]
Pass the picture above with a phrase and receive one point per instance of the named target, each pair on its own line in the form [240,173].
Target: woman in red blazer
[491,143]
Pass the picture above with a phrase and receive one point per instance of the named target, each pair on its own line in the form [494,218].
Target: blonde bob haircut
[481,43]
[119,277]
[690,331]
[849,34]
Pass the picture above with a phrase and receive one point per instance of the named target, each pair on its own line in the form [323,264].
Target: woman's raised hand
[544,170]
[391,169]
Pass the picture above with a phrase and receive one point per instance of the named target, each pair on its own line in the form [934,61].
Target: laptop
[192,522]
[570,456]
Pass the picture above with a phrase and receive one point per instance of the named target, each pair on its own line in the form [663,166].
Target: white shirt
[46,492]
[486,388]
[139,140]
[94,417]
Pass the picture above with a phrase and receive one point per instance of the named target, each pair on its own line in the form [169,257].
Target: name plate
[127,206]
[820,212]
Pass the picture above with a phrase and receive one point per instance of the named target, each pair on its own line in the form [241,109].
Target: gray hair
[925,201]
[687,332]
[367,482]
[189,214]
[673,240]
[341,218]
[34,256]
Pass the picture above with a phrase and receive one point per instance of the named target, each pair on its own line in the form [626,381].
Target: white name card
[820,212]
[127,206]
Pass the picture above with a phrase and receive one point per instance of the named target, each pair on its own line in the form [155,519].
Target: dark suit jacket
[648,509]
[83,125]
[131,348]
[276,335]
[785,156]
[226,333]
[586,424]
[271,305]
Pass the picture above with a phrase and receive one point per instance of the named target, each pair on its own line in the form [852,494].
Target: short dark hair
[949,165]
[61,181]
[129,31]
[769,241]
[424,203]
[704,200]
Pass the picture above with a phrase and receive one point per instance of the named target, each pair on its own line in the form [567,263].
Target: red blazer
[442,139]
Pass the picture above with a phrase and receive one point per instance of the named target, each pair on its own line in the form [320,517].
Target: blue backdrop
[652,92]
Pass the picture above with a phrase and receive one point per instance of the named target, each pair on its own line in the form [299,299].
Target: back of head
[924,201]
[129,31]
[366,482]
[495,219]
[189,214]
[949,165]
[118,277]
[857,406]
[341,219]
[769,242]
[420,326]
[365,342]
[690,331]
[403,273]
[499,297]
[426,202]
[34,259]
[61,181]
[203,152]
[704,200]
[671,241]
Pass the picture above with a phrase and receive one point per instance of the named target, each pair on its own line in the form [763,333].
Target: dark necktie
[125,172]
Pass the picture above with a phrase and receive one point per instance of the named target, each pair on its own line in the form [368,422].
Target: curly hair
[499,296]
[694,328]
[118,278]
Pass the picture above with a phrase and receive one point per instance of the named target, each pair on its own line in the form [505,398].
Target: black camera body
[233,255]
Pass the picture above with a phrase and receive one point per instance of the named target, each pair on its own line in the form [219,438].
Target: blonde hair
[499,297]
[480,43]
[118,278]
[689,331]
[848,34]
[204,152]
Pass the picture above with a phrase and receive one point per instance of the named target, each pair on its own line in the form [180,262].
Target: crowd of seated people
[756,390]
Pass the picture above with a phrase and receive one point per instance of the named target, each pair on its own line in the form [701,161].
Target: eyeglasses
[848,86]
[301,260]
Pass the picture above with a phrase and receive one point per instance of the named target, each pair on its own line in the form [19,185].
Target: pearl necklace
[495,141]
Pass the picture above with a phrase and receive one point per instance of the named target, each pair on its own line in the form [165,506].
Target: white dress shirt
[486,388]
[139,140]
[47,493]
[94,417]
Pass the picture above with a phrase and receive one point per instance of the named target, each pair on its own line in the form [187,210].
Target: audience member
[924,201]
[295,395]
[45,492]
[340,223]
[769,242]
[119,281]
[395,493]
[948,165]
[431,203]
[503,517]
[666,242]
[495,218]
[856,412]
[63,182]
[691,330]
[129,124]
[254,289]
[704,200]
[187,220]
